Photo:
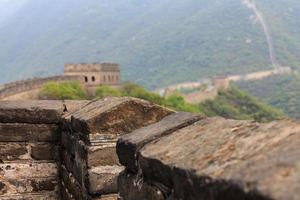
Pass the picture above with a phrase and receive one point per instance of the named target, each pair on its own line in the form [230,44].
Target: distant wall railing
[17,87]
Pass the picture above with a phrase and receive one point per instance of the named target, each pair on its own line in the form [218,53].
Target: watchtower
[95,74]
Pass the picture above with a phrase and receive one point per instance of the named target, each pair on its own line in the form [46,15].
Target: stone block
[17,151]
[13,151]
[20,132]
[129,144]
[30,177]
[32,196]
[115,116]
[27,170]
[102,155]
[103,179]
[44,151]
[36,112]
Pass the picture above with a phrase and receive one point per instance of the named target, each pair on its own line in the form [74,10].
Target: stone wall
[66,150]
[130,149]
[213,158]
[29,88]
[90,165]
[29,148]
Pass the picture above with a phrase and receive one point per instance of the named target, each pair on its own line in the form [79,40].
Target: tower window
[108,78]
[93,78]
[86,79]
[104,78]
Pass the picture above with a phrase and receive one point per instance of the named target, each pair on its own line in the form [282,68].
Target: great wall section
[29,89]
[213,85]
[130,149]
[90,76]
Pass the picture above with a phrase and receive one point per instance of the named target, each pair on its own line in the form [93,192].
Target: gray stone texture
[219,159]
[89,144]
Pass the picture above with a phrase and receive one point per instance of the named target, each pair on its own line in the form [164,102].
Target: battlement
[127,148]
[91,67]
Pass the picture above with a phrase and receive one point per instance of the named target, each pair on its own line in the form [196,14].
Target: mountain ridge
[156,42]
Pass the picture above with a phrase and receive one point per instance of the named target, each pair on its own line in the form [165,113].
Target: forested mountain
[157,42]
[282,92]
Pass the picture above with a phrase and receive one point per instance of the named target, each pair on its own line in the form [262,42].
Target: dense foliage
[237,104]
[61,91]
[282,92]
[157,42]
[232,103]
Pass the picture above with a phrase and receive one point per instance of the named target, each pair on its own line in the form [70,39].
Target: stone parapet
[130,149]
[213,158]
[89,137]
[30,148]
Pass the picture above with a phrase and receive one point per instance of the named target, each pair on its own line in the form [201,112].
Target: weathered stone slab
[33,196]
[36,112]
[27,177]
[103,179]
[31,185]
[116,116]
[44,151]
[102,155]
[129,144]
[14,151]
[27,170]
[227,159]
[15,132]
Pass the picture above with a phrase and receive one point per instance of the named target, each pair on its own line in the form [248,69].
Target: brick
[20,132]
[30,185]
[44,151]
[13,151]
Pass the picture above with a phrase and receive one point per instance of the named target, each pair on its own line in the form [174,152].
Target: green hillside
[157,42]
[232,103]
[282,92]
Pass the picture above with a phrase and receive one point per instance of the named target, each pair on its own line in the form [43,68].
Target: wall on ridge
[28,89]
